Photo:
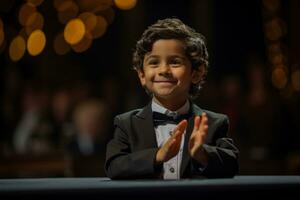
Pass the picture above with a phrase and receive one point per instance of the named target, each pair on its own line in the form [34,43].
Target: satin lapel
[144,123]
[185,154]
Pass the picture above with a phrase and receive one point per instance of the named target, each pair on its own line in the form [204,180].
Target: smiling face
[167,72]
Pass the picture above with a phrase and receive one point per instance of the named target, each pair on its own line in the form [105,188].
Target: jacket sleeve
[222,154]
[122,163]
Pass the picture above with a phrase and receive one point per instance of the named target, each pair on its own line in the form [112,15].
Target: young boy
[171,137]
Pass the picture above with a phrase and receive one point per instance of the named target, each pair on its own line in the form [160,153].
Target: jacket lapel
[195,110]
[144,122]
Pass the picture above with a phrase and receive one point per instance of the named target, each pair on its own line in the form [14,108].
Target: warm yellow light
[17,48]
[279,78]
[64,5]
[34,22]
[125,4]
[67,11]
[275,29]
[278,59]
[93,5]
[35,2]
[74,31]
[296,80]
[108,14]
[83,45]
[25,12]
[89,19]
[100,27]
[61,47]
[36,42]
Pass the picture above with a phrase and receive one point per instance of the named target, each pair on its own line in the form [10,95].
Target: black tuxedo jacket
[131,152]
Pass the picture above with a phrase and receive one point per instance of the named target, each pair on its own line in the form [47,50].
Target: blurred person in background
[86,147]
[60,116]
[10,108]
[90,121]
[44,123]
[33,132]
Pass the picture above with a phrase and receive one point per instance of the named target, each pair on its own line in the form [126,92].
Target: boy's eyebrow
[150,56]
[177,56]
[171,56]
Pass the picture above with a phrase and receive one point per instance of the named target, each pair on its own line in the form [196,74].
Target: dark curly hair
[173,28]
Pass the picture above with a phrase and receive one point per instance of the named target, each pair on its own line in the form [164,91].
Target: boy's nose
[164,68]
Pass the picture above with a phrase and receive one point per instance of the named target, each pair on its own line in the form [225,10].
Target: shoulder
[127,115]
[212,116]
[125,119]
[216,116]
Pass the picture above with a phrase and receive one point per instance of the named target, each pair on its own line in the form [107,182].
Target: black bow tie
[160,118]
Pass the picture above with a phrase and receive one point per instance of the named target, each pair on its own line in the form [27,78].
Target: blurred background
[65,68]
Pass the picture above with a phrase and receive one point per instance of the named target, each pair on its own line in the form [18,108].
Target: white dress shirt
[171,168]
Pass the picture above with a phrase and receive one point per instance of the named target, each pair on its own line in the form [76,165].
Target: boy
[171,138]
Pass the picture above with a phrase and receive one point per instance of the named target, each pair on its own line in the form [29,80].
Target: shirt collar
[182,110]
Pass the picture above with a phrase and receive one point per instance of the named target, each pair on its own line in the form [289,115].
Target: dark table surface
[239,186]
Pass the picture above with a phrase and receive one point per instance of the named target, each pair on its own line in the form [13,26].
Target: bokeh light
[35,2]
[25,11]
[279,78]
[17,48]
[34,22]
[100,27]
[36,42]
[60,45]
[94,5]
[296,80]
[74,31]
[83,45]
[275,29]
[125,4]
[108,14]
[89,19]
[67,11]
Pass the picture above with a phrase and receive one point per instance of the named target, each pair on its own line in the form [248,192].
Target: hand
[198,137]
[172,146]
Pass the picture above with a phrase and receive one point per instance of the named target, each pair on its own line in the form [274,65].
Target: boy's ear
[198,74]
[141,75]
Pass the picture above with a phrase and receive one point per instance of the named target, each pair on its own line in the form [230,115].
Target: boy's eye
[176,61]
[153,62]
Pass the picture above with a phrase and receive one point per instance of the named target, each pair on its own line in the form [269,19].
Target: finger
[175,145]
[197,121]
[182,125]
[204,121]
[175,138]
[180,128]
[204,118]
[169,144]
[205,129]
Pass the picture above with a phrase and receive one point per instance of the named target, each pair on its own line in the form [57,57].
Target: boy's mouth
[165,81]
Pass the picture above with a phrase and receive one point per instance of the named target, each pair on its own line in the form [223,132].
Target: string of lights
[285,76]
[83,22]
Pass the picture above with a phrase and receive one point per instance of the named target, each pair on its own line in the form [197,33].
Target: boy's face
[167,72]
